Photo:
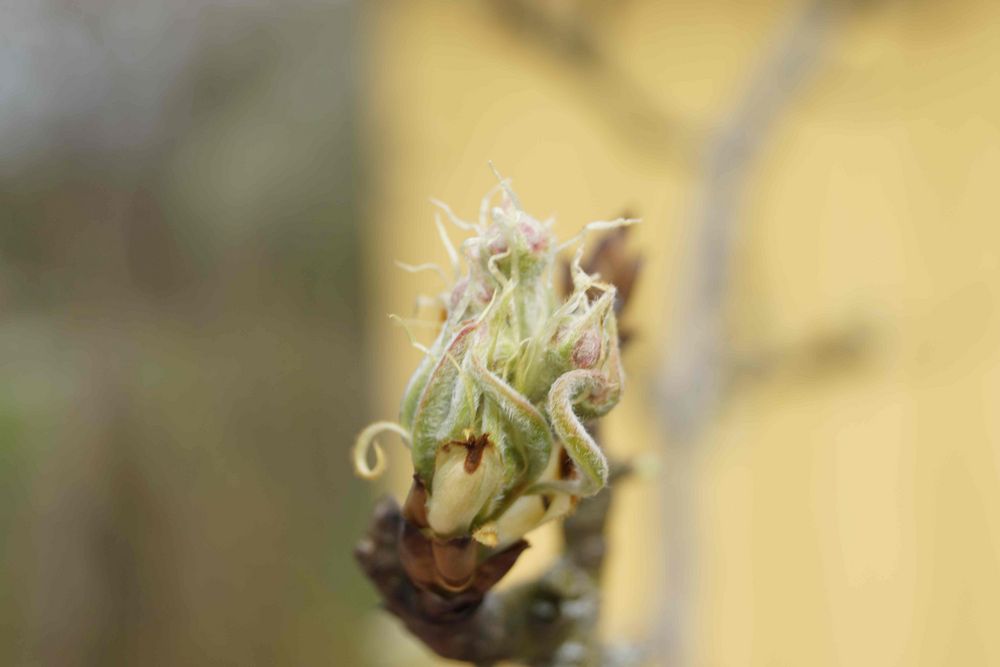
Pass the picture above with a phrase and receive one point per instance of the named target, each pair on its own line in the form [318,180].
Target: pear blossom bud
[587,349]
[493,412]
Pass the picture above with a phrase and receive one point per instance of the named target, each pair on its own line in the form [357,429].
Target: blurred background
[200,206]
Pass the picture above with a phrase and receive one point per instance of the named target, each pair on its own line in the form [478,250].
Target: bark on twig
[550,621]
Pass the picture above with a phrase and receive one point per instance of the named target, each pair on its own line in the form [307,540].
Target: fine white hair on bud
[494,413]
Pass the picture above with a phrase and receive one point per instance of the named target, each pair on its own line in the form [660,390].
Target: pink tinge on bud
[587,350]
[486,293]
[535,236]
[457,293]
[482,293]
[497,245]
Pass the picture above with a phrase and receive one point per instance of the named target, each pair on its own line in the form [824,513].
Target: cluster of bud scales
[494,414]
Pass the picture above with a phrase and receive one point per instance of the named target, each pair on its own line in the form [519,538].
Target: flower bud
[531,511]
[467,476]
[493,412]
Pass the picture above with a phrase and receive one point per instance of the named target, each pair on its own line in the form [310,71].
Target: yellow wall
[845,516]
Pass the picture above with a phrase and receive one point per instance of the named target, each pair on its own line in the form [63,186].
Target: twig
[550,621]
[692,378]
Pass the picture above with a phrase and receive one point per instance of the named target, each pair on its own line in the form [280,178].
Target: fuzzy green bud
[498,398]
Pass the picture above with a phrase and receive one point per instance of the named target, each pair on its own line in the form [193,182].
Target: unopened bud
[467,475]
[493,413]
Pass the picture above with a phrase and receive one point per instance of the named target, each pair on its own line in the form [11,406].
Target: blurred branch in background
[180,332]
[696,364]
[569,33]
